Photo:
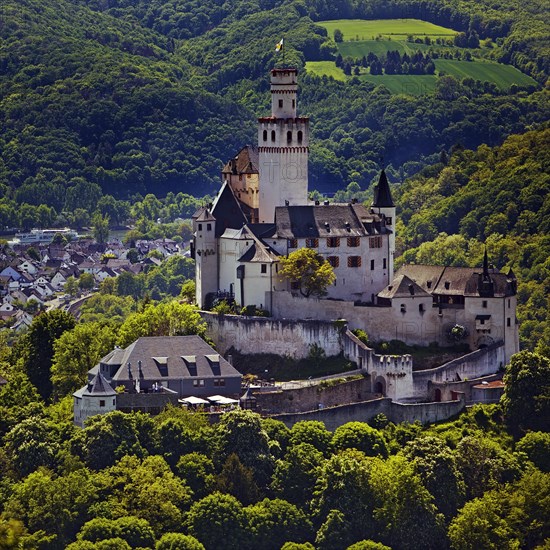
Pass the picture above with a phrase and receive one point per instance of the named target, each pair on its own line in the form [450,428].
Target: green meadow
[379,47]
[327,68]
[361,29]
[403,84]
[502,75]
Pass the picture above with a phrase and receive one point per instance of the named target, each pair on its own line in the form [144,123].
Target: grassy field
[403,84]
[325,68]
[502,75]
[361,29]
[379,47]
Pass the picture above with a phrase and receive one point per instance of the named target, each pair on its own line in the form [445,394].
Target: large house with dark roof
[262,214]
[157,370]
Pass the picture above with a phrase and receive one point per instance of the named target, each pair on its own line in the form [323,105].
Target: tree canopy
[308,271]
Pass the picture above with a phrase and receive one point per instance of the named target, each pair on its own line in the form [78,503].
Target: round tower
[283,147]
[206,257]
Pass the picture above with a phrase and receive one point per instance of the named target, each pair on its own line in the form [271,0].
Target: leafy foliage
[309,271]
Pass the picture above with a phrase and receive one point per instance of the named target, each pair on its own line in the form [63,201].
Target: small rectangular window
[198,383]
[371,265]
[484,303]
[208,227]
[375,242]
[293,103]
[102,403]
[508,322]
[312,243]
[200,226]
[354,261]
[333,242]
[388,220]
[384,263]
[421,308]
[264,268]
[280,103]
[353,241]
[334,261]
[292,243]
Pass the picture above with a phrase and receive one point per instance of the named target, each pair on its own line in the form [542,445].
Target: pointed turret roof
[98,386]
[227,210]
[382,193]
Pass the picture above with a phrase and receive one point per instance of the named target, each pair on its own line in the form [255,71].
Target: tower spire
[382,194]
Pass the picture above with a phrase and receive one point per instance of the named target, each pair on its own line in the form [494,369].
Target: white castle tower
[283,147]
[383,204]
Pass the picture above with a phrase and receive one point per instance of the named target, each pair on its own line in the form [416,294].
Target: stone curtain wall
[380,323]
[473,365]
[262,335]
[363,412]
[312,397]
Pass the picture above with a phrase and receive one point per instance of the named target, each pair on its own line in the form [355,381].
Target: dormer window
[447,285]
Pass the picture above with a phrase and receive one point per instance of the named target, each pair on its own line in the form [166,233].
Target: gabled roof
[227,210]
[245,162]
[204,215]
[458,281]
[175,352]
[332,220]
[260,253]
[403,287]
[382,194]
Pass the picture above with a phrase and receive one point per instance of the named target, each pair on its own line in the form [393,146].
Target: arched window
[265,135]
[272,135]
[289,136]
[300,136]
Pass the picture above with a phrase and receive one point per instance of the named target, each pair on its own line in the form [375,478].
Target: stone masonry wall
[363,412]
[262,335]
[312,397]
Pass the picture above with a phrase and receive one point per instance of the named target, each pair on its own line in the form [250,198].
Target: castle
[262,213]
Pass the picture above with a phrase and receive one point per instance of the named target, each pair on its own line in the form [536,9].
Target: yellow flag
[279,45]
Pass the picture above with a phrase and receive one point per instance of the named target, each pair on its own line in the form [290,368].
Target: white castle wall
[263,335]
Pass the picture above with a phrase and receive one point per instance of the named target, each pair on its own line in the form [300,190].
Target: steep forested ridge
[144,97]
[494,197]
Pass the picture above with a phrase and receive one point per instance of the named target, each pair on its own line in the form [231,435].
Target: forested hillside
[498,197]
[141,97]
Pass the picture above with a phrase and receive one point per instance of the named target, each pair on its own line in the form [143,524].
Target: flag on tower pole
[279,45]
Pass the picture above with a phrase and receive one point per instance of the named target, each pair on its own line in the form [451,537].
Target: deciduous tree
[308,270]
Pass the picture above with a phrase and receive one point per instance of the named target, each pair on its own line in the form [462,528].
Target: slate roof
[245,162]
[332,220]
[403,287]
[167,357]
[227,210]
[96,387]
[382,194]
[203,215]
[457,281]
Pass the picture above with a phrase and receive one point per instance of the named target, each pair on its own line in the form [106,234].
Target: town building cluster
[34,275]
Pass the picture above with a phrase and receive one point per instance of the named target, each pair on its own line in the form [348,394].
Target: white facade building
[240,238]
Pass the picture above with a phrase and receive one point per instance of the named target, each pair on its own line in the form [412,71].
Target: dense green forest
[494,197]
[176,481]
[151,97]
